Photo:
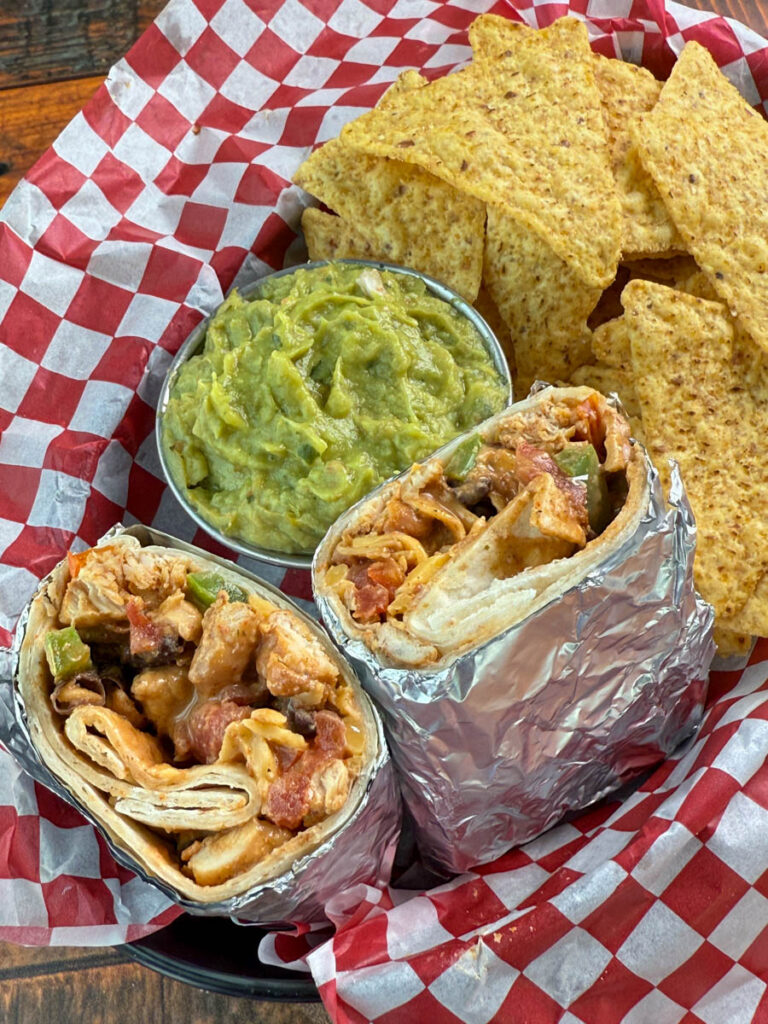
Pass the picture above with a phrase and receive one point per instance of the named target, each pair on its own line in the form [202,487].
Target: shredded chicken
[229,639]
[515,466]
[292,661]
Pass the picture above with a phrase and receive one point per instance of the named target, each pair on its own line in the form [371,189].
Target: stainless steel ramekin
[196,340]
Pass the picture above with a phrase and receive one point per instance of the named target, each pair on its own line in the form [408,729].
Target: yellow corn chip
[407,80]
[544,303]
[409,216]
[730,644]
[627,90]
[394,211]
[707,151]
[610,344]
[697,409]
[698,284]
[330,237]
[523,131]
[491,34]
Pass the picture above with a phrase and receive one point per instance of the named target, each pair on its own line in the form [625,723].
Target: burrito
[477,538]
[521,608]
[208,727]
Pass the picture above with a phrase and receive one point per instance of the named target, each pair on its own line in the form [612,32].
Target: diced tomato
[76,560]
[403,518]
[331,735]
[145,635]
[387,573]
[371,602]
[208,723]
[375,585]
[532,462]
[289,795]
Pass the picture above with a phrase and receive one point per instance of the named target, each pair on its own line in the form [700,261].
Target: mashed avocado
[310,395]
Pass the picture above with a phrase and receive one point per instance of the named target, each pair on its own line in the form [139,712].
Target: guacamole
[307,397]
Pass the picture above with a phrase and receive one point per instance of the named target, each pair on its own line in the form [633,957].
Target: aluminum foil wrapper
[617,668]
[360,850]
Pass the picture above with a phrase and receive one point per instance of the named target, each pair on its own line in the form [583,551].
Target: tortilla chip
[732,645]
[544,302]
[406,215]
[489,311]
[492,34]
[707,151]
[627,90]
[610,344]
[407,80]
[676,270]
[698,409]
[523,131]
[698,284]
[330,237]
[395,211]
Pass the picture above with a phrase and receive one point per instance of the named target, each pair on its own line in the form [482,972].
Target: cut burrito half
[210,729]
[494,526]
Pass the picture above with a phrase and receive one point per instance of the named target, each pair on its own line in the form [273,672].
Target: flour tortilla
[464,605]
[207,797]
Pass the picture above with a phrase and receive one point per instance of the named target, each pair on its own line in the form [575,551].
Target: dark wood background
[53,55]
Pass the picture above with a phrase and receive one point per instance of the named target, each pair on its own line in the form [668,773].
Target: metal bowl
[196,340]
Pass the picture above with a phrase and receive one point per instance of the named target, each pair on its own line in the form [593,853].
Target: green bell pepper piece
[66,653]
[463,458]
[204,588]
[581,461]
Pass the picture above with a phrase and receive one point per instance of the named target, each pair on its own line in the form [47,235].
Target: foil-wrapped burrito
[521,607]
[209,728]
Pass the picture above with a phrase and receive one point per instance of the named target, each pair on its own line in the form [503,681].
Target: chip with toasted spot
[707,150]
[610,344]
[543,302]
[500,130]
[409,216]
[730,644]
[697,409]
[627,90]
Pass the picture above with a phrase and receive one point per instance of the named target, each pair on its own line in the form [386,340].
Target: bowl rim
[196,338]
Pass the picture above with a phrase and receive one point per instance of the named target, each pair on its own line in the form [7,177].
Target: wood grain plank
[25,961]
[30,120]
[48,41]
[127,992]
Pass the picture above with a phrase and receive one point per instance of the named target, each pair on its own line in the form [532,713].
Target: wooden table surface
[53,56]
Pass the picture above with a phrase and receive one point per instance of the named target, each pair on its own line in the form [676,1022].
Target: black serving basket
[216,954]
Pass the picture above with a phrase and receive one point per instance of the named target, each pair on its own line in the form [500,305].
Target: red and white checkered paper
[170,185]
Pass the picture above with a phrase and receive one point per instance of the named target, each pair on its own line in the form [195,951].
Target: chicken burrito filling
[202,710]
[537,486]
